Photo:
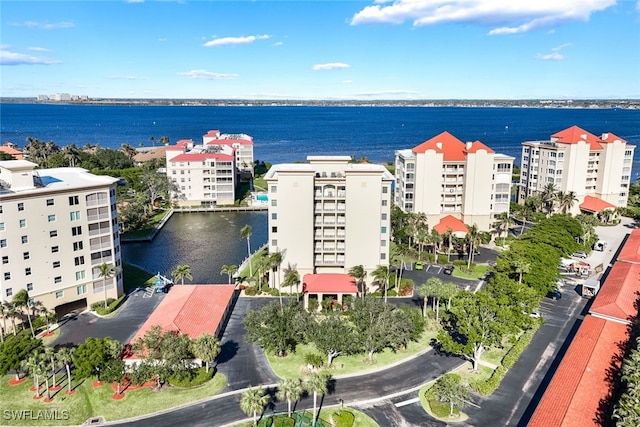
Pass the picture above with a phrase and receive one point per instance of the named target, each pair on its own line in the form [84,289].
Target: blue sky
[350,49]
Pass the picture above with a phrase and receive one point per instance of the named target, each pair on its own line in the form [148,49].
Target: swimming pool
[262,198]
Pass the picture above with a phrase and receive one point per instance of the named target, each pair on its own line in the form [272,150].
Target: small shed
[590,288]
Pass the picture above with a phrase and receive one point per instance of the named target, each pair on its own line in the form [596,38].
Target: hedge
[112,305]
[191,378]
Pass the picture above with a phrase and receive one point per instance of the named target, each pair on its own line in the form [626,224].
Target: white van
[600,245]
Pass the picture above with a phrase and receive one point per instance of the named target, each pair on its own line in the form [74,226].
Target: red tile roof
[581,380]
[212,134]
[575,134]
[609,137]
[450,146]
[631,250]
[329,283]
[191,310]
[476,146]
[10,149]
[617,296]
[595,204]
[452,223]
[199,157]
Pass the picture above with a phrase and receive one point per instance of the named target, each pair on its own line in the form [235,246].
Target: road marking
[407,402]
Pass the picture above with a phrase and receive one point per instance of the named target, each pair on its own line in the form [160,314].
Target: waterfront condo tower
[453,183]
[329,215]
[597,169]
[57,226]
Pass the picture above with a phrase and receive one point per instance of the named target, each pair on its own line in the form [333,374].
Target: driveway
[132,314]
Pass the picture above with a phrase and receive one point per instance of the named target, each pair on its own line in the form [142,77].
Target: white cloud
[502,16]
[555,54]
[38,49]
[277,44]
[226,41]
[207,75]
[388,92]
[14,58]
[330,66]
[44,25]
[122,77]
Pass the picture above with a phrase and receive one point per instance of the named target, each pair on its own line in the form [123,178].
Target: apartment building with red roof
[445,177]
[596,168]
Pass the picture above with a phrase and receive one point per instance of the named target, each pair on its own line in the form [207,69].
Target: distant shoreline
[631,104]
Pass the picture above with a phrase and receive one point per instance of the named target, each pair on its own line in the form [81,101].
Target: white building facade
[444,176]
[56,227]
[579,161]
[329,215]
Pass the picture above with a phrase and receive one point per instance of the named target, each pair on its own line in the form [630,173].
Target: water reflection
[204,241]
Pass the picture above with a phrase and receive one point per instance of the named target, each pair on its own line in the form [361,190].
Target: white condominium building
[447,179]
[330,215]
[56,227]
[242,146]
[596,168]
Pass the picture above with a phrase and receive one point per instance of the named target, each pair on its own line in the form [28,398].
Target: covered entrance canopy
[333,284]
[452,223]
[593,205]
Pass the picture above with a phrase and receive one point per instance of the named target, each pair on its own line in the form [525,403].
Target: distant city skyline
[322,50]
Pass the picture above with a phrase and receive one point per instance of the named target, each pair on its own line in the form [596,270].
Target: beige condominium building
[596,168]
[453,183]
[56,227]
[329,215]
[207,174]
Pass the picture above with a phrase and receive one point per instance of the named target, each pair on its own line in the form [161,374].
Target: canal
[204,241]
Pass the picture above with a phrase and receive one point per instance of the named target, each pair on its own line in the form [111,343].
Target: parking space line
[407,402]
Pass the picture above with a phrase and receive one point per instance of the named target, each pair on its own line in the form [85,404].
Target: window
[51,218]
[27,271]
[73,200]
[274,242]
[0,208]
[76,231]
[80,275]
[274,215]
[23,223]
[383,256]
[5,259]
[79,260]
[20,207]
[384,216]
[7,276]
[384,203]
[59,294]
[274,202]
[274,229]
[54,249]
[56,264]
[77,246]
[383,230]
[82,289]
[3,243]
[385,190]
[383,243]
[75,216]
[53,233]
[9,291]
[274,188]
[29,287]
[49,202]
[25,239]
[57,279]
[1,226]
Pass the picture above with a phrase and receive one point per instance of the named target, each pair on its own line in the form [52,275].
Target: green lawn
[458,416]
[360,418]
[294,366]
[92,402]
[476,273]
[494,355]
[144,232]
[135,277]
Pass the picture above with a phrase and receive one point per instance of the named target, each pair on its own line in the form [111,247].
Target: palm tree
[275,260]
[525,213]
[473,234]
[253,401]
[289,390]
[12,313]
[182,272]
[22,301]
[566,200]
[206,347]
[381,274]
[4,310]
[164,140]
[522,267]
[501,225]
[152,140]
[432,288]
[42,368]
[548,197]
[317,384]
[360,274]
[33,365]
[245,233]
[229,270]
[435,239]
[65,355]
[51,357]
[106,271]
[449,236]
[128,150]
[43,311]
[292,277]
[534,202]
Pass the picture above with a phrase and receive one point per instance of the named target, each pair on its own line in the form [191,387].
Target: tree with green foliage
[433,289]
[22,301]
[501,225]
[626,412]
[290,390]
[566,200]
[245,233]
[317,383]
[206,347]
[275,262]
[106,272]
[472,237]
[229,270]
[292,277]
[15,349]
[522,267]
[253,401]
[548,197]
[92,356]
[359,274]
[277,329]
[381,275]
[181,272]
[477,321]
[334,335]
[448,389]
[65,355]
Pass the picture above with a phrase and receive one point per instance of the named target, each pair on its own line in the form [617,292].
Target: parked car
[554,294]
[579,254]
[419,265]
[600,245]
[448,270]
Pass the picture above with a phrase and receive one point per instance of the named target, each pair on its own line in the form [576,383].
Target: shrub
[96,305]
[313,304]
[191,377]
[313,359]
[441,409]
[343,418]
[486,388]
[112,305]
[514,352]
[251,291]
[273,292]
[279,420]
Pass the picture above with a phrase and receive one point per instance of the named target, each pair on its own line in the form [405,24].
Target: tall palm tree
[43,311]
[473,234]
[206,347]
[435,239]
[502,224]
[525,213]
[566,200]
[106,271]
[448,235]
[292,277]
[245,233]
[4,310]
[229,270]
[290,390]
[43,369]
[34,365]
[534,202]
[182,272]
[275,261]
[253,401]
[317,383]
[164,140]
[65,355]
[381,274]
[52,362]
[22,301]
[548,196]
[522,267]
[12,313]
[360,274]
